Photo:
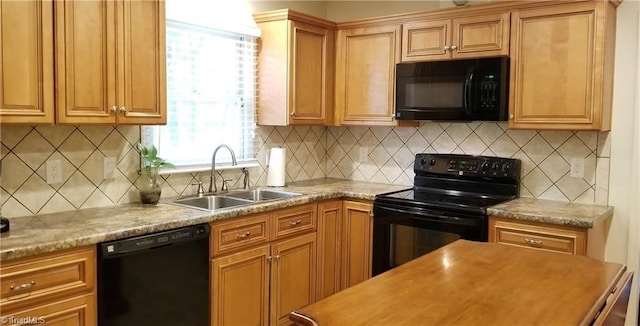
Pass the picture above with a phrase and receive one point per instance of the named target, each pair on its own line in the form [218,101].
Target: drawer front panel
[551,242]
[47,277]
[240,234]
[294,221]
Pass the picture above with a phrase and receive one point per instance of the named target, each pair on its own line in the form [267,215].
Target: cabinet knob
[114,108]
[123,109]
[446,48]
[511,116]
[454,47]
[293,114]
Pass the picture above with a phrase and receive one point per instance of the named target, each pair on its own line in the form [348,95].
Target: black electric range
[448,202]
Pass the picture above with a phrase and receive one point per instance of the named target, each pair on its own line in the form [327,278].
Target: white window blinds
[211,87]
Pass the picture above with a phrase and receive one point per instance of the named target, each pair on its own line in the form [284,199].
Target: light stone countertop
[31,235]
[552,212]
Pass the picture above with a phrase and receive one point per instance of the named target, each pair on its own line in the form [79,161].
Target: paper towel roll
[277,160]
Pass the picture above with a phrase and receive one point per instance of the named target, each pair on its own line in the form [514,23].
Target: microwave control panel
[488,92]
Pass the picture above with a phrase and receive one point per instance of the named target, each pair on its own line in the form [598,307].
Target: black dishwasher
[155,279]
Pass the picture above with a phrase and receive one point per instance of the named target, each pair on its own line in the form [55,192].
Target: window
[211,85]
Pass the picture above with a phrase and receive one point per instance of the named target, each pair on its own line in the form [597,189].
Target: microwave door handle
[466,97]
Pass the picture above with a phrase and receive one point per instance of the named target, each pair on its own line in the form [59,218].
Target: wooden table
[473,283]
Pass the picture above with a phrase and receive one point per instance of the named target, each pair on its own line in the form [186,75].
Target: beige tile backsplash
[377,154]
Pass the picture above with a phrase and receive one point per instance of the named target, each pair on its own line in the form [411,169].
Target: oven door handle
[418,214]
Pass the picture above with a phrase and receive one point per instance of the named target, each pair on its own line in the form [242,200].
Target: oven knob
[423,161]
[432,161]
[506,167]
[495,165]
[484,166]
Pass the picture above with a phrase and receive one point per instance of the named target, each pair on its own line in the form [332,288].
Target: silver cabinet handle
[454,47]
[295,222]
[446,48]
[123,109]
[244,235]
[22,286]
[114,108]
[533,243]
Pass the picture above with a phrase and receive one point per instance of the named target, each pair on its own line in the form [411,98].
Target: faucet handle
[200,190]
[225,184]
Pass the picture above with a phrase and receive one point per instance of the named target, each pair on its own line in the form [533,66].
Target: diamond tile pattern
[312,152]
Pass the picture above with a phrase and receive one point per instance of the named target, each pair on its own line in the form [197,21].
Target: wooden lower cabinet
[357,237]
[263,267]
[53,289]
[329,248]
[549,237]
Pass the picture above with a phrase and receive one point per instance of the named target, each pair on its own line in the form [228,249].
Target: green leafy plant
[151,163]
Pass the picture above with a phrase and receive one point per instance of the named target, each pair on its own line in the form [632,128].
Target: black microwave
[466,90]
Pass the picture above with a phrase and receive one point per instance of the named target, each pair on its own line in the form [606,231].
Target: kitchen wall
[81,150]
[545,155]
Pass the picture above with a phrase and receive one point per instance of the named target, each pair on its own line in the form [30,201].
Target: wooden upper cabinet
[26,62]
[562,66]
[110,59]
[457,38]
[365,75]
[295,69]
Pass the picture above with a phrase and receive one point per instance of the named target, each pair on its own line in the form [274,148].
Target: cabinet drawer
[46,277]
[79,310]
[539,237]
[294,220]
[239,234]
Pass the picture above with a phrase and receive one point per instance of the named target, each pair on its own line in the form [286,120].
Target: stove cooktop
[443,201]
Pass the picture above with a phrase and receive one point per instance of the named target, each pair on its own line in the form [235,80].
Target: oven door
[402,233]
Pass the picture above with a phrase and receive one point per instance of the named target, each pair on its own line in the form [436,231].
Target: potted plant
[149,188]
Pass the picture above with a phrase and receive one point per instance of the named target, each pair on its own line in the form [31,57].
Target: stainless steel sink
[212,202]
[232,199]
[261,194]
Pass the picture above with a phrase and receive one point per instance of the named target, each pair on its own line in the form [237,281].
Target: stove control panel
[467,165]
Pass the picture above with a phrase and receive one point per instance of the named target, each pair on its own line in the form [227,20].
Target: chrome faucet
[212,178]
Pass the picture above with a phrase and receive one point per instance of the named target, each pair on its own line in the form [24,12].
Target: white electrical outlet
[54,171]
[577,167]
[364,155]
[108,167]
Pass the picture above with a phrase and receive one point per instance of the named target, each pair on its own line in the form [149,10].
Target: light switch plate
[54,171]
[109,167]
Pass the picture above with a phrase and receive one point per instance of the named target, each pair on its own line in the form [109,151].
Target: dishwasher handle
[152,241]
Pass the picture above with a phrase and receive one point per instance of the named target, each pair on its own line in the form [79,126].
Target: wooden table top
[474,283]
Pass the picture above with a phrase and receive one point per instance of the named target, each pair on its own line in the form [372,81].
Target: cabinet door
[240,293]
[423,41]
[480,36]
[142,87]
[357,236]
[77,311]
[329,249]
[553,68]
[365,75]
[293,276]
[85,61]
[26,62]
[311,66]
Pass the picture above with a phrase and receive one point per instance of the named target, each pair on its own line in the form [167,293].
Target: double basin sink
[232,199]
